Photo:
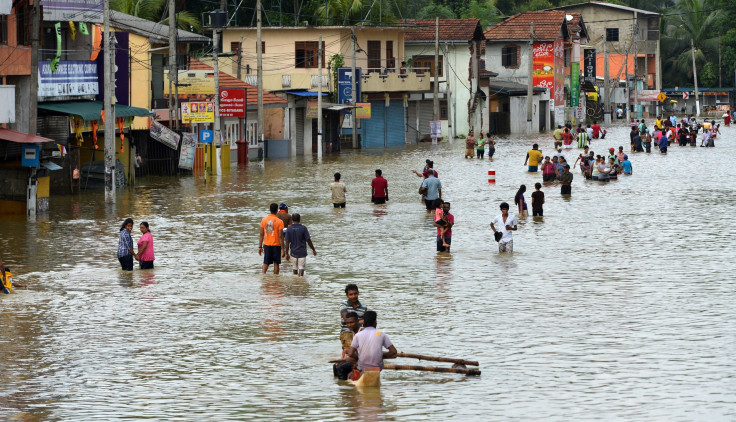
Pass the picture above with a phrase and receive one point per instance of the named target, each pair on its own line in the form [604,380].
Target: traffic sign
[205,136]
[661,97]
[685,95]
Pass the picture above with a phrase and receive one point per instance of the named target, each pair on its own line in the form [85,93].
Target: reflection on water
[615,305]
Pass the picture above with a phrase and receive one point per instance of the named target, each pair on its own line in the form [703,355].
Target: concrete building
[461,57]
[290,64]
[554,49]
[632,39]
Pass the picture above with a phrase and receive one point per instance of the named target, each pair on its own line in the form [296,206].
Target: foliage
[709,75]
[335,63]
[152,10]
[484,10]
[433,10]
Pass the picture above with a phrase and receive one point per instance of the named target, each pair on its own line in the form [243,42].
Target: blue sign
[205,136]
[31,155]
[344,85]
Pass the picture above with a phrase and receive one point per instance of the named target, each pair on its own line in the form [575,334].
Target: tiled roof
[229,81]
[450,29]
[547,26]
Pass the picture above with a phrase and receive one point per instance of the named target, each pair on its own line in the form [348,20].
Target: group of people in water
[126,253]
[669,131]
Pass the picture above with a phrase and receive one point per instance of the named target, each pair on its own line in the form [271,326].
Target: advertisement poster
[199,112]
[543,66]
[72,10]
[188,149]
[193,82]
[345,85]
[589,63]
[164,135]
[71,79]
[232,102]
[559,93]
[645,95]
[312,110]
[435,129]
[363,111]
[574,84]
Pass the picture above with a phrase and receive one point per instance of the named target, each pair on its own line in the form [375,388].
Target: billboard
[122,70]
[589,65]
[71,79]
[574,84]
[345,87]
[198,112]
[312,110]
[72,10]
[363,111]
[543,66]
[164,135]
[193,82]
[188,149]
[232,102]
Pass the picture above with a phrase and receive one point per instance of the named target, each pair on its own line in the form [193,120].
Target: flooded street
[619,305]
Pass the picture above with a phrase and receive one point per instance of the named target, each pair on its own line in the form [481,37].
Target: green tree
[484,10]
[152,10]
[709,75]
[433,10]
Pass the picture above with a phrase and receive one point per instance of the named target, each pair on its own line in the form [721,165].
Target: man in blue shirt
[297,236]
[626,164]
[432,191]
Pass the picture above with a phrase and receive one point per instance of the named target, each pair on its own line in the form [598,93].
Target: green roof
[92,110]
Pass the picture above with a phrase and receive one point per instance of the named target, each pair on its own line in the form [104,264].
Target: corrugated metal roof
[22,138]
[154,30]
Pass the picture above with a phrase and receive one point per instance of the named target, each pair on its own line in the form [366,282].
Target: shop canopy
[92,110]
[22,138]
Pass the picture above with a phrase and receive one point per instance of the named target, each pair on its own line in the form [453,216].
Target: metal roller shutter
[395,124]
[412,133]
[374,130]
[299,137]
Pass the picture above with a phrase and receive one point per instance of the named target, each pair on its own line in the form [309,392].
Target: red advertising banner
[232,102]
[558,92]
[543,66]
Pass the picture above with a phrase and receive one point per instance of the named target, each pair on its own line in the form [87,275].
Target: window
[567,57]
[510,56]
[611,34]
[3,29]
[306,54]
[374,56]
[443,110]
[234,47]
[263,47]
[390,60]
[23,24]
[424,65]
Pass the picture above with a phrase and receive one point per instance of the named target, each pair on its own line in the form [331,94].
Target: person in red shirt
[379,189]
[596,130]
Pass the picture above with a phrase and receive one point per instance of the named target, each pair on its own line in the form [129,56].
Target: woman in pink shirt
[145,248]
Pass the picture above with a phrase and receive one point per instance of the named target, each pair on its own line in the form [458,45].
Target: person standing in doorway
[379,188]
[566,180]
[271,239]
[504,223]
[470,144]
[538,201]
[145,247]
[338,192]
[125,246]
[533,158]
[297,237]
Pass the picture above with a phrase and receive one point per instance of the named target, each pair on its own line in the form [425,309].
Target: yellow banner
[193,82]
[312,111]
[363,111]
[198,112]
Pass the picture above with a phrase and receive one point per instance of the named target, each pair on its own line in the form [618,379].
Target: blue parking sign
[205,136]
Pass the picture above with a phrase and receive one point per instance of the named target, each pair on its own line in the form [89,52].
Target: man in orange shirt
[271,240]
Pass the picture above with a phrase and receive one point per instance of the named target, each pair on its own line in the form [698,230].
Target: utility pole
[109,72]
[436,99]
[216,137]
[530,81]
[354,94]
[606,85]
[35,32]
[259,72]
[240,58]
[720,76]
[173,77]
[636,78]
[450,133]
[319,100]
[695,78]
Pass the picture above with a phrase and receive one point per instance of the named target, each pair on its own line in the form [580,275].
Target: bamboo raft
[372,378]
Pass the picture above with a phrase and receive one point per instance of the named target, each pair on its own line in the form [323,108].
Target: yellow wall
[279,56]
[140,77]
[42,189]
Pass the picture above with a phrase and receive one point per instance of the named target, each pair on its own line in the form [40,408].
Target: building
[551,40]
[461,56]
[290,64]
[631,37]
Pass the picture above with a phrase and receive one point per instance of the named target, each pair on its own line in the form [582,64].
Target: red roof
[22,138]
[229,81]
[450,29]
[548,25]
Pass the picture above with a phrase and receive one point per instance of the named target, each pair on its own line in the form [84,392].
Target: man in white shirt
[505,223]
[368,344]
[338,192]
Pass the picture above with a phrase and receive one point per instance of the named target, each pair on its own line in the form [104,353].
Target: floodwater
[618,305]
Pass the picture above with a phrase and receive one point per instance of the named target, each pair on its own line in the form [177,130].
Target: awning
[51,166]
[22,138]
[338,107]
[92,110]
[306,93]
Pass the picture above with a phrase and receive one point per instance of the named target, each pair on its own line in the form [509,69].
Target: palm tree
[695,23]
[339,12]
[152,10]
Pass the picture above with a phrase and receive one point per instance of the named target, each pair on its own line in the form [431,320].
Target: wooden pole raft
[432,369]
[437,359]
